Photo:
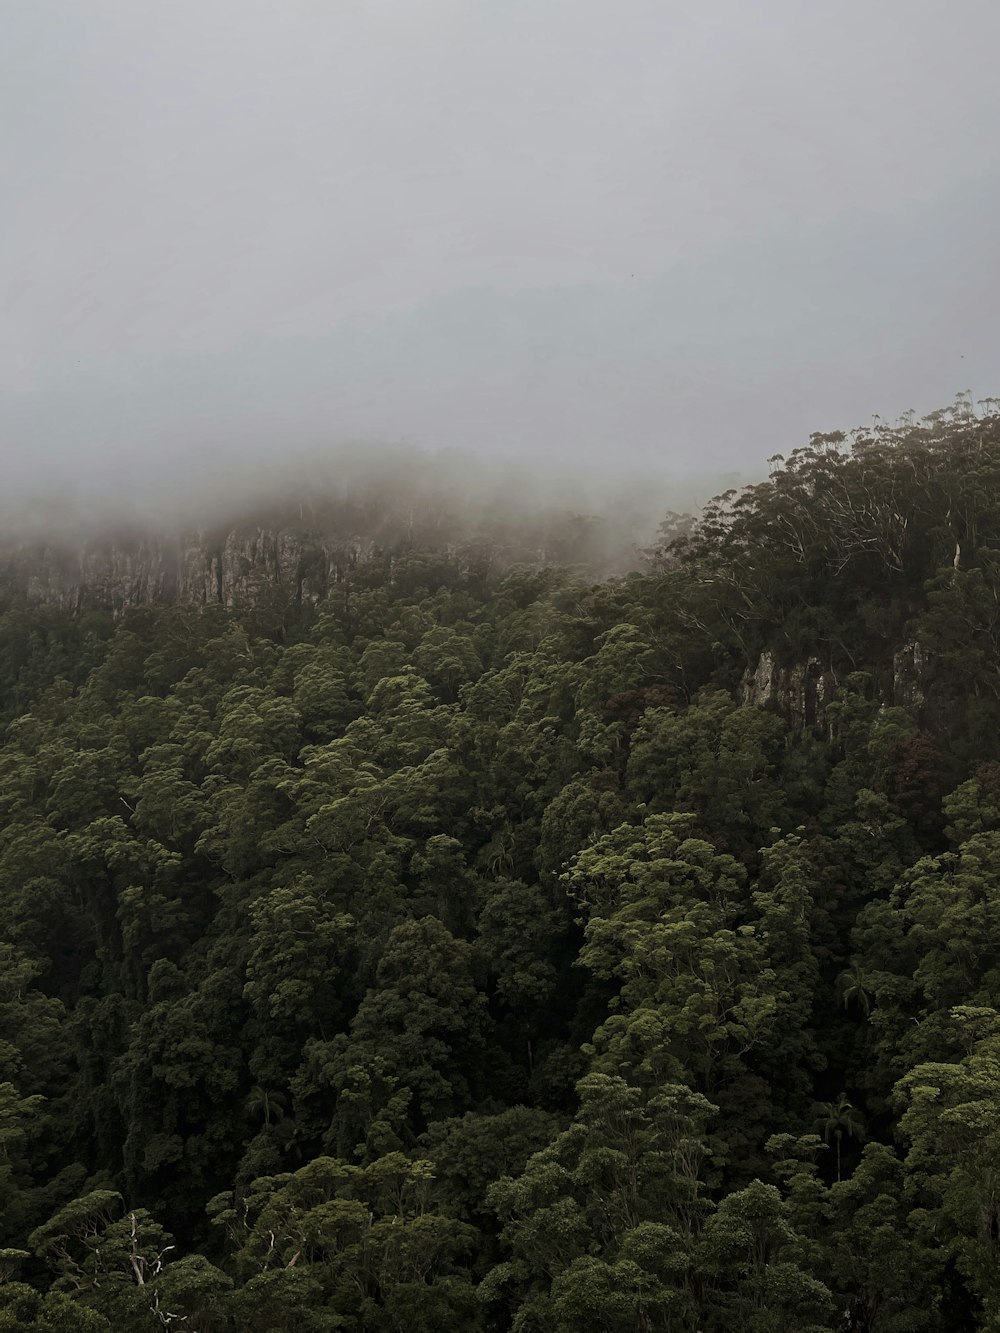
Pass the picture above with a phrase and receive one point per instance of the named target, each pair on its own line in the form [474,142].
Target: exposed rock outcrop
[798,692]
[910,677]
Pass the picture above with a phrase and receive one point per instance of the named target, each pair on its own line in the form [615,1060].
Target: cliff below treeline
[301,530]
[293,560]
[234,569]
[801,692]
[301,542]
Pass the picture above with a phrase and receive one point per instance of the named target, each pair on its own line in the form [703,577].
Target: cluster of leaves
[458,953]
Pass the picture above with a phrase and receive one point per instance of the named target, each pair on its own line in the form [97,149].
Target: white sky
[630,232]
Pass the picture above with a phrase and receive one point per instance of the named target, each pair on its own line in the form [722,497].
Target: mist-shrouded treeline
[378,496]
[470,950]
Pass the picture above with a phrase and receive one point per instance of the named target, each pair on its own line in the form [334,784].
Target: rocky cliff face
[911,677]
[800,691]
[236,568]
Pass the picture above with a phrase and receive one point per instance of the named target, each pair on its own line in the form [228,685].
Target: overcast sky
[664,234]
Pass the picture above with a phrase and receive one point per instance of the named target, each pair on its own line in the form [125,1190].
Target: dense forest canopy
[467,950]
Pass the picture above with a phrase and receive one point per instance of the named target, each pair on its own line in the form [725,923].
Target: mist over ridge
[360,498]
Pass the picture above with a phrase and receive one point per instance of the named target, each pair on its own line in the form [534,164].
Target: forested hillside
[460,952]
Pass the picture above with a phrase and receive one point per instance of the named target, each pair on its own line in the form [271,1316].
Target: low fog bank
[366,492]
